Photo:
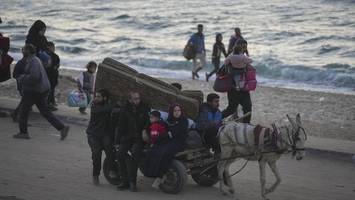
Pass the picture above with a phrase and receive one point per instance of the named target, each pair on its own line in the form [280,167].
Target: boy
[86,82]
[98,132]
[52,72]
[157,129]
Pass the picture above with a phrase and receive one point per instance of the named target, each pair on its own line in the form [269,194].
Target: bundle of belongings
[5,59]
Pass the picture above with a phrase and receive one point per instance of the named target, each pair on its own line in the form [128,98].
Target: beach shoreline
[326,115]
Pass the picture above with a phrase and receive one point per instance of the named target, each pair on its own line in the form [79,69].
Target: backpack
[249,79]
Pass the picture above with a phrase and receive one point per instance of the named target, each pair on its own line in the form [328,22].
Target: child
[239,62]
[157,129]
[218,48]
[98,132]
[86,82]
[52,73]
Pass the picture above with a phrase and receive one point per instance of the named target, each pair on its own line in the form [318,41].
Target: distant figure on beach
[198,41]
[98,132]
[133,120]
[53,73]
[86,83]
[35,87]
[218,49]
[37,38]
[233,41]
[235,95]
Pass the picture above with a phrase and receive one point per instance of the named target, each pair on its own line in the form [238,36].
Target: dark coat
[99,120]
[160,156]
[132,121]
[19,69]
[52,71]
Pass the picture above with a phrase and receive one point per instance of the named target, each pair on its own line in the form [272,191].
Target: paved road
[46,168]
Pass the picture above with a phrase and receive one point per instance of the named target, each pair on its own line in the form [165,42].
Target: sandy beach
[326,115]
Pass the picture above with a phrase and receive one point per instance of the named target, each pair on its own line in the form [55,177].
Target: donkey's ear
[298,119]
[291,120]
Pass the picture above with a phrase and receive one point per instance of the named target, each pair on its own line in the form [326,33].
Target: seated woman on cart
[162,152]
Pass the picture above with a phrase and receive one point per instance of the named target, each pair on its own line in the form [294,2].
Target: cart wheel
[174,179]
[208,178]
[111,173]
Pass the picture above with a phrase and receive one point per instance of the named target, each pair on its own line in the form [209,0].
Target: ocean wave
[326,38]
[124,16]
[335,74]
[327,49]
[72,50]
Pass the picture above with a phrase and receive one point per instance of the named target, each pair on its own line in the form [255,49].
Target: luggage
[224,80]
[77,99]
[249,79]
[4,44]
[189,51]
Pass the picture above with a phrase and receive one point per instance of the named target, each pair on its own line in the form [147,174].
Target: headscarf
[171,119]
[39,41]
[36,27]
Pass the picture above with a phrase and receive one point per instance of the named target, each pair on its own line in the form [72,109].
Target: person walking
[218,49]
[35,87]
[197,40]
[234,39]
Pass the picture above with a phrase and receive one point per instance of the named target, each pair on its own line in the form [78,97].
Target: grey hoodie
[35,77]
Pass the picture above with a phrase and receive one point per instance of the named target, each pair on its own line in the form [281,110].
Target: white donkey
[260,144]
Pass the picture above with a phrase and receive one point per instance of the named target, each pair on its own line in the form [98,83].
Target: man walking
[35,88]
[197,40]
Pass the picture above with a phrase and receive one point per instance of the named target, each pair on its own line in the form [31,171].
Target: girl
[86,83]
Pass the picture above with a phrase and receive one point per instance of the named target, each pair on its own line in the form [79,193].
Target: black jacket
[178,129]
[99,120]
[133,120]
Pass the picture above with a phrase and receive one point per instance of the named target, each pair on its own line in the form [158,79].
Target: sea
[302,44]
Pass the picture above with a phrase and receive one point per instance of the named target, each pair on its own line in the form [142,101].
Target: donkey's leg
[275,170]
[262,165]
[225,153]
[228,177]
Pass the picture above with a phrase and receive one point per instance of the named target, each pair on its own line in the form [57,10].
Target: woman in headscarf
[37,38]
[160,156]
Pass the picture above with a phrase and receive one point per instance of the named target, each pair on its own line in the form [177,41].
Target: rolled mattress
[120,79]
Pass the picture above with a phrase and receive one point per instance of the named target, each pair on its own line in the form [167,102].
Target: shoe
[95,180]
[52,108]
[156,183]
[14,117]
[21,136]
[64,132]
[123,186]
[207,77]
[83,112]
[133,187]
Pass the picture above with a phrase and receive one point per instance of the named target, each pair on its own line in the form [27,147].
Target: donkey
[242,140]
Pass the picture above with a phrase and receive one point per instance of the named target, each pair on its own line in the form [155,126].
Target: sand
[326,115]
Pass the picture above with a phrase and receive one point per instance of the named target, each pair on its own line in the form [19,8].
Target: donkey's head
[298,137]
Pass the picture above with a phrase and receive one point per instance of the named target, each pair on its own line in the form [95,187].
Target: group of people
[236,60]
[36,74]
[137,127]
[134,125]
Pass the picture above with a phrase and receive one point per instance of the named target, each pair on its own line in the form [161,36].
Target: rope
[237,172]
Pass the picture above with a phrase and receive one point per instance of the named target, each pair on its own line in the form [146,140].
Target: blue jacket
[208,118]
[199,42]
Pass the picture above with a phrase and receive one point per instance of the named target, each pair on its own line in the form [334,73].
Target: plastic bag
[77,99]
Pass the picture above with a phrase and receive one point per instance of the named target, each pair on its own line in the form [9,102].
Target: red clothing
[156,129]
